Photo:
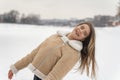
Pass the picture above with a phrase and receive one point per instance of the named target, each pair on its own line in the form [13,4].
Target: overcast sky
[63,9]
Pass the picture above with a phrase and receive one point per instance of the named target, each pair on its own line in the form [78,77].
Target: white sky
[64,9]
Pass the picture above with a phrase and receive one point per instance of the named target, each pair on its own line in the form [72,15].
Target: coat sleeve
[22,63]
[62,67]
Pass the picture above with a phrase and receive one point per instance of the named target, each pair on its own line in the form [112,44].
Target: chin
[75,38]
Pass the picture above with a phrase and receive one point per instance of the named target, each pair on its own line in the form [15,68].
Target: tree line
[14,16]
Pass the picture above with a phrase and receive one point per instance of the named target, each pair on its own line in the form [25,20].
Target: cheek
[80,38]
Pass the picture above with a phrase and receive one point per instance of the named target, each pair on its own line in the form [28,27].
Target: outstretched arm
[22,63]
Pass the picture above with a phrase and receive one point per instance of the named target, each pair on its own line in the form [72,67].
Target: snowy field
[17,41]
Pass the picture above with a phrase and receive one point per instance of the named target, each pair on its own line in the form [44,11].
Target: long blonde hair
[88,53]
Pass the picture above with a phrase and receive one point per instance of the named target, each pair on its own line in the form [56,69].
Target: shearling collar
[77,45]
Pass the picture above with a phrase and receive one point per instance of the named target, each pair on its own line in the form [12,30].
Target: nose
[80,30]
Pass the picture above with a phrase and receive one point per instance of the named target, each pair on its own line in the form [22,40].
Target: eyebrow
[83,27]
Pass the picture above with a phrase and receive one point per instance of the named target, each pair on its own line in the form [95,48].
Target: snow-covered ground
[17,41]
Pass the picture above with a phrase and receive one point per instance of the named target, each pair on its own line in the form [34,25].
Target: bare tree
[30,19]
[11,17]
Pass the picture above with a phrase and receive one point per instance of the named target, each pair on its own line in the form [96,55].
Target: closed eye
[82,27]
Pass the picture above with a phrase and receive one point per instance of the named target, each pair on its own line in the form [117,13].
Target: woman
[57,55]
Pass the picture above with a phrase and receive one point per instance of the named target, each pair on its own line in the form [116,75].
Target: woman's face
[80,32]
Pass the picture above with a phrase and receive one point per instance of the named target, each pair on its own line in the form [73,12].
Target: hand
[10,74]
